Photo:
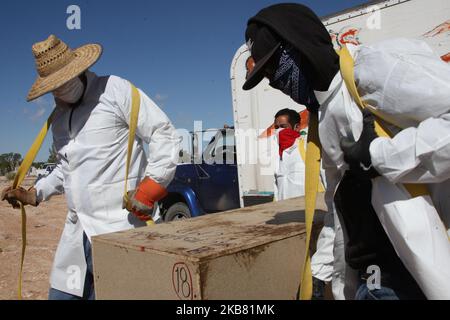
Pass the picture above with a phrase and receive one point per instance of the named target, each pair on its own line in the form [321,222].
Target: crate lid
[219,234]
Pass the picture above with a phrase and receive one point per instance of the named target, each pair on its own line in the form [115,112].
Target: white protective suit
[290,173]
[92,143]
[409,85]
[290,183]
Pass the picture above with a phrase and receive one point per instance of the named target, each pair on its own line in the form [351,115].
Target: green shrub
[10,175]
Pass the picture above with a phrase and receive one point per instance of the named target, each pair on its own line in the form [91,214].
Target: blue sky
[178,52]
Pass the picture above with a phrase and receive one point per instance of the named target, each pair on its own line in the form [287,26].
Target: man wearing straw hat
[90,132]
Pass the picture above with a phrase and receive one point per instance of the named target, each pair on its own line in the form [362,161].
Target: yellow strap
[32,153]
[347,71]
[301,148]
[313,156]
[23,215]
[18,179]
[135,107]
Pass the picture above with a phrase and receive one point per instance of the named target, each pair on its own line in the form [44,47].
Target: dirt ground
[45,224]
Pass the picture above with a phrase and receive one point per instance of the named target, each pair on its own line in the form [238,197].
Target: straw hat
[57,64]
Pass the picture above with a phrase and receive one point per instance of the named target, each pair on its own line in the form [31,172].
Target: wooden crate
[249,253]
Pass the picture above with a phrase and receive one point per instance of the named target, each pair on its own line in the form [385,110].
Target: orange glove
[142,200]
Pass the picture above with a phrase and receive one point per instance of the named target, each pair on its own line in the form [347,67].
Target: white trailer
[254,110]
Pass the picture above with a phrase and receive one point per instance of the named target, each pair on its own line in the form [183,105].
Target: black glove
[318,289]
[357,154]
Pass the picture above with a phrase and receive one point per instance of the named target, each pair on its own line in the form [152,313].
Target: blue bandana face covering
[291,81]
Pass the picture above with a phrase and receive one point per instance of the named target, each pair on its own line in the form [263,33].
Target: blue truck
[208,183]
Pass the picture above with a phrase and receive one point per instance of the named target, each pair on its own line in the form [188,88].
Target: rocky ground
[44,226]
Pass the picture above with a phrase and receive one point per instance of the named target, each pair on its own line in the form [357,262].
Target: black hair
[294,117]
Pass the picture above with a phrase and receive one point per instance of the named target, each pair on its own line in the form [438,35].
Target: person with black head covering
[279,60]
[408,88]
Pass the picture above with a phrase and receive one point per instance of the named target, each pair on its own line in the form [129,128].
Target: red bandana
[286,139]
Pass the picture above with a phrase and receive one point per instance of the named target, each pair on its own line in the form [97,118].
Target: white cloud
[42,105]
[160,97]
[38,114]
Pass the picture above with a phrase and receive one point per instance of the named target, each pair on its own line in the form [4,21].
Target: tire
[177,211]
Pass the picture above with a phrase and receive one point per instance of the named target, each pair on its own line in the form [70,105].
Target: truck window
[225,149]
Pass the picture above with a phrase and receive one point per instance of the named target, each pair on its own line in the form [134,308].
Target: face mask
[291,81]
[71,91]
[286,138]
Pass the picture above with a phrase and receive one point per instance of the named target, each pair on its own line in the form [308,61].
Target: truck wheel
[178,211]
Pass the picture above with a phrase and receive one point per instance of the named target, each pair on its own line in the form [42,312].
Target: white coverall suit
[92,143]
[407,83]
